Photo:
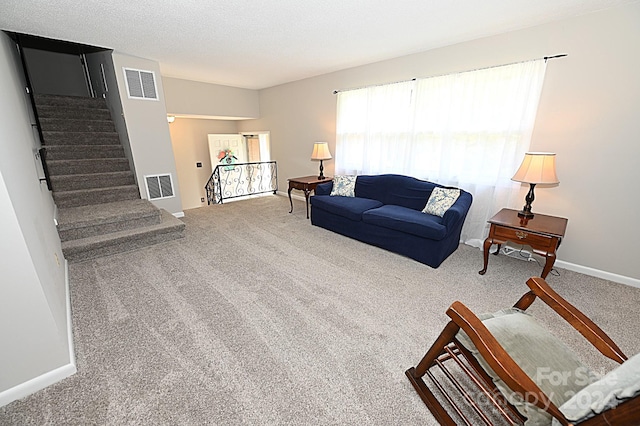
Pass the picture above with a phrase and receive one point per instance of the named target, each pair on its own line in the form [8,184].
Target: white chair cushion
[613,389]
[542,356]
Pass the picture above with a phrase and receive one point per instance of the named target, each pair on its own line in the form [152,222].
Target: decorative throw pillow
[440,200]
[344,186]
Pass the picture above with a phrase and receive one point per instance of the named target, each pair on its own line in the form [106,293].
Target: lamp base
[321,176]
[525,215]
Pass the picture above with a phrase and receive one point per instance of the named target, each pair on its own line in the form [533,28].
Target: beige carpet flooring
[257,317]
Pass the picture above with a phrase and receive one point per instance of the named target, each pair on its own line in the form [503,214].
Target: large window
[469,130]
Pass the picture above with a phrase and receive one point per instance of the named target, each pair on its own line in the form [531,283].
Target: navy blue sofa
[387,212]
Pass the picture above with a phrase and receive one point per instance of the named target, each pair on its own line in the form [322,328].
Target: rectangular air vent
[159,186]
[140,84]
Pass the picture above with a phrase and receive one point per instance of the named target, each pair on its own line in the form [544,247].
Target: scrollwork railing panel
[241,179]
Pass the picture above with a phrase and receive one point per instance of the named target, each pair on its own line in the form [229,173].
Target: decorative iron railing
[241,179]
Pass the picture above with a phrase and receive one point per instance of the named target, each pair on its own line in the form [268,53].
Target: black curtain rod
[554,57]
[546,58]
[335,92]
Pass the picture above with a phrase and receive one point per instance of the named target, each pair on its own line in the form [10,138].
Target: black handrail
[42,151]
[241,179]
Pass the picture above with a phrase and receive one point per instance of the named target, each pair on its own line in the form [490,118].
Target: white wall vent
[159,186]
[140,84]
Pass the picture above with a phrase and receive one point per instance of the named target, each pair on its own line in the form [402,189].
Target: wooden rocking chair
[497,386]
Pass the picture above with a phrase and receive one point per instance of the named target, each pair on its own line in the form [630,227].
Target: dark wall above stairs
[56,73]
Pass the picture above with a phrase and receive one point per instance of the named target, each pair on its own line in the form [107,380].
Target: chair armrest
[324,188]
[500,361]
[594,334]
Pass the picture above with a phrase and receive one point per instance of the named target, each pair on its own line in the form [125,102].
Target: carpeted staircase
[99,207]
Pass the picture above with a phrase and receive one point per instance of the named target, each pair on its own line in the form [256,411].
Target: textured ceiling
[262,43]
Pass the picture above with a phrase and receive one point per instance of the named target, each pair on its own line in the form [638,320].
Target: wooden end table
[542,233]
[306,184]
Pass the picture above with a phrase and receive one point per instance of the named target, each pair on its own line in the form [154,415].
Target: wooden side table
[306,184]
[542,233]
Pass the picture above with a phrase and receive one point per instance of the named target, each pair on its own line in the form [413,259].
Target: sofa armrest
[458,211]
[324,188]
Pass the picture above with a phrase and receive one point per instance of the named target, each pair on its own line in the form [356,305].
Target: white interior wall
[193,98]
[148,131]
[190,146]
[34,328]
[587,115]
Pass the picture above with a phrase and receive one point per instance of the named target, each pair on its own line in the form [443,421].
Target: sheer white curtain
[469,130]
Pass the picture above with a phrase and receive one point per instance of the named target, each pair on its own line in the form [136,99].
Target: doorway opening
[252,147]
[258,148]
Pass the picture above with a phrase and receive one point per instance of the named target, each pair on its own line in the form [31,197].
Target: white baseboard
[72,351]
[610,276]
[47,379]
[294,196]
[29,387]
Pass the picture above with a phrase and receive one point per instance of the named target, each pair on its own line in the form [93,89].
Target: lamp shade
[321,151]
[537,167]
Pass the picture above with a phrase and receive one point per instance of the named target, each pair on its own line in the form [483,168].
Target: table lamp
[536,167]
[320,153]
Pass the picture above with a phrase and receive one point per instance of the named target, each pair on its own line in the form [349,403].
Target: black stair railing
[42,152]
[241,179]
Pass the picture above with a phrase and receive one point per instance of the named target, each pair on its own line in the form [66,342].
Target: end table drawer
[298,185]
[523,237]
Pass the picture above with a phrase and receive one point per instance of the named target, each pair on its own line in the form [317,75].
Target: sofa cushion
[344,186]
[440,200]
[393,189]
[406,220]
[349,207]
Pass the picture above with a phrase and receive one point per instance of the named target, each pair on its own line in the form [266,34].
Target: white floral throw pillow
[344,186]
[440,200]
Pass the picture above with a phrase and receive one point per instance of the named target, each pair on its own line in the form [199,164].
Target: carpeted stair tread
[97,219]
[69,101]
[83,197]
[87,166]
[96,214]
[80,138]
[75,182]
[79,152]
[76,125]
[54,111]
[168,229]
